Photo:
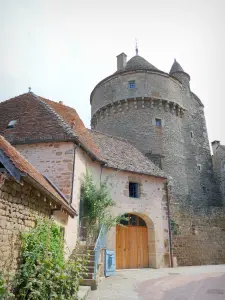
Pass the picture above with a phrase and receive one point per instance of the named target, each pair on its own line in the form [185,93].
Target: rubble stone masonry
[19,208]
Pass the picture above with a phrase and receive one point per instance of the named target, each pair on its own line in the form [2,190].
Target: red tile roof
[71,117]
[24,166]
[42,120]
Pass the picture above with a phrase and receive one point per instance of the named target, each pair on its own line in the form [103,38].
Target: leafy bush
[43,272]
[97,203]
[5,294]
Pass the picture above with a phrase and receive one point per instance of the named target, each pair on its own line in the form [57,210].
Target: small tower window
[191,134]
[11,124]
[133,190]
[132,84]
[158,122]
[199,167]
[204,189]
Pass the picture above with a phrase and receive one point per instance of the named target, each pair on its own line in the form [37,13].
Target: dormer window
[132,84]
[11,124]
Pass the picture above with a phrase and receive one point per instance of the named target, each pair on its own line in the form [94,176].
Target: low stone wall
[19,208]
[202,240]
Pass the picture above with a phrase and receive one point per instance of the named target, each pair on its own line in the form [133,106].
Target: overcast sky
[63,48]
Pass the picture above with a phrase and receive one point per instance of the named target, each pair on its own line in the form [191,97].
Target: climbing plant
[174,227]
[97,203]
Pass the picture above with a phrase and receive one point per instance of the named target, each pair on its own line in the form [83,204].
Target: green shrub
[5,293]
[43,271]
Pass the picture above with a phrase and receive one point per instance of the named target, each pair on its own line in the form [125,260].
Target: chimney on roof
[121,61]
[60,102]
[215,145]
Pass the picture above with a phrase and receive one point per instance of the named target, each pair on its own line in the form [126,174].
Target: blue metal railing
[99,245]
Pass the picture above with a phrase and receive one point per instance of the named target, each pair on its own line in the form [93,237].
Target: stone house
[53,138]
[24,195]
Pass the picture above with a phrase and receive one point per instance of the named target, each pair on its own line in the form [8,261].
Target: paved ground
[184,283]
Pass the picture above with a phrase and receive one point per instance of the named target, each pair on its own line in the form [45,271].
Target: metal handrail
[99,245]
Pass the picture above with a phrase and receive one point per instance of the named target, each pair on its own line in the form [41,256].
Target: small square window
[132,84]
[158,122]
[133,190]
[11,124]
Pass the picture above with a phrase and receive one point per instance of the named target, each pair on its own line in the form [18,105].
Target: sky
[63,48]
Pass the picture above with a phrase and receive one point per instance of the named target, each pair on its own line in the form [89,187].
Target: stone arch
[152,255]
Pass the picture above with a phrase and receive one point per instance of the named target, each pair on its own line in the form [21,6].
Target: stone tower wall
[182,141]
[148,84]
[135,121]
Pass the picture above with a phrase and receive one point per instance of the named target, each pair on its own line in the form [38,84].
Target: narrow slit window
[199,167]
[133,190]
[191,134]
[132,84]
[158,122]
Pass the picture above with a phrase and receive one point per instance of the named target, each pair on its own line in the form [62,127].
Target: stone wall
[148,84]
[19,207]
[151,205]
[200,239]
[55,160]
[219,168]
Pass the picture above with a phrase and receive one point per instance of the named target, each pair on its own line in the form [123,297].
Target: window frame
[132,84]
[158,121]
[135,193]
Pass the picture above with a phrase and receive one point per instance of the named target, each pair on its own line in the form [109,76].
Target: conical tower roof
[137,62]
[176,67]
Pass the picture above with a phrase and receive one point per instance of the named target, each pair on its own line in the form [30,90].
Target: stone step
[90,269]
[89,276]
[89,282]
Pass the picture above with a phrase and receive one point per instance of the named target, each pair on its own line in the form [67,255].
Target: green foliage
[97,203]
[43,272]
[5,293]
[174,227]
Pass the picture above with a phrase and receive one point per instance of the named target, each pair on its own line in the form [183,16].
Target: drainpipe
[74,154]
[169,226]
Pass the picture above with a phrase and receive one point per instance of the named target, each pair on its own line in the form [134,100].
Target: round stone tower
[150,108]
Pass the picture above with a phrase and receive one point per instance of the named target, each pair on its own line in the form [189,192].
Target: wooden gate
[131,247]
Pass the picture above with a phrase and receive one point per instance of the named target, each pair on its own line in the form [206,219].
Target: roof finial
[29,89]
[136,49]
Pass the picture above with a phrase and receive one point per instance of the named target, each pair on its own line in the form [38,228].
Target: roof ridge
[56,116]
[1,102]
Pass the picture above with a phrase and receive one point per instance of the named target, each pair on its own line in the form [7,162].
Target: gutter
[169,227]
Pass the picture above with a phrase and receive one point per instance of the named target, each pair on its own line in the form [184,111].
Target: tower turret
[178,72]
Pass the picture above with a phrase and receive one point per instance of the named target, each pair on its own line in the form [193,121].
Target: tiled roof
[120,154]
[176,67]
[25,167]
[42,120]
[137,63]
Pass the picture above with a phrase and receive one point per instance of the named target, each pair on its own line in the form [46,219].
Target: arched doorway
[132,243]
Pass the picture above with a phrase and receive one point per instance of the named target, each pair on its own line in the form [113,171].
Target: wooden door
[131,247]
